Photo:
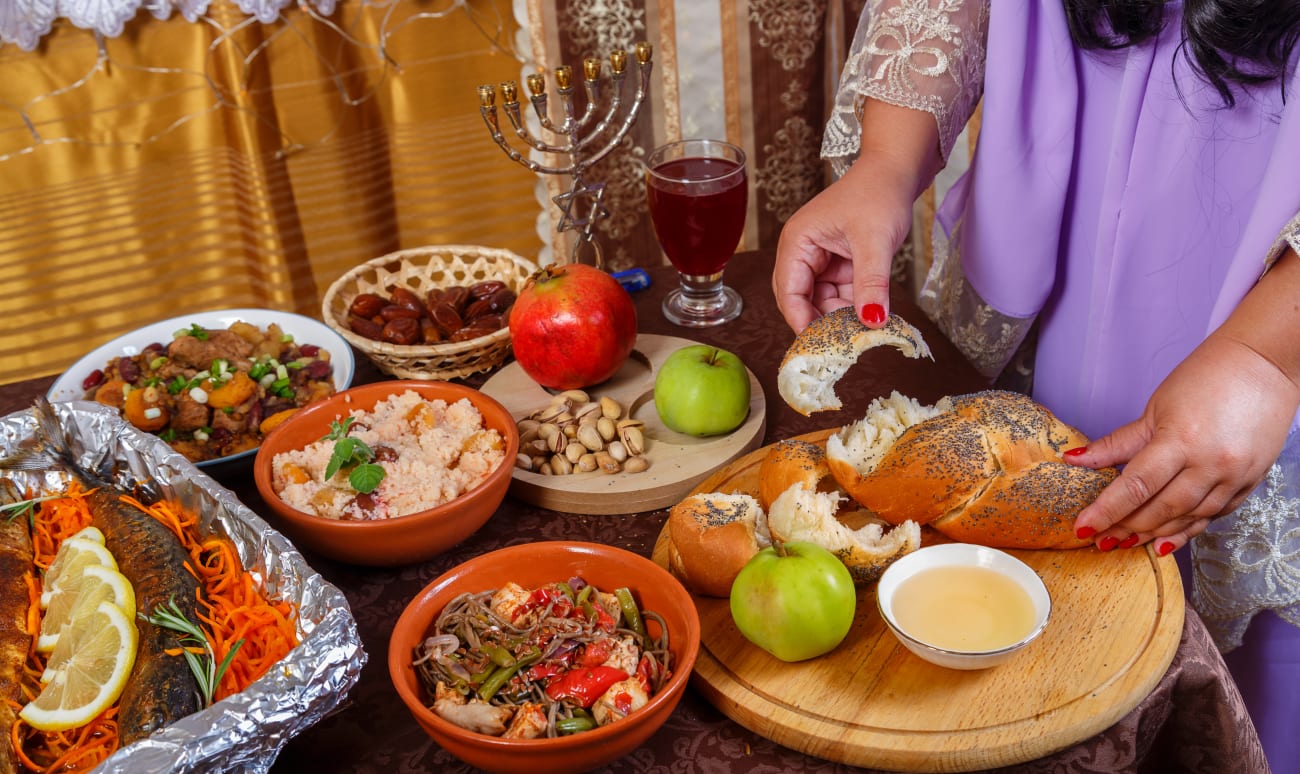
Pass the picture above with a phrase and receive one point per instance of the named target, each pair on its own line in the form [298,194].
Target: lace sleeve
[1290,237]
[922,54]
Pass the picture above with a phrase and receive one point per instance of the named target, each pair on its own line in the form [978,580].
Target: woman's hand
[1210,431]
[837,249]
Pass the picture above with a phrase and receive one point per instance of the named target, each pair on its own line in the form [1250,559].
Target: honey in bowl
[964,608]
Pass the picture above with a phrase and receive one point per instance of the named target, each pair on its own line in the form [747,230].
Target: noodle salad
[556,660]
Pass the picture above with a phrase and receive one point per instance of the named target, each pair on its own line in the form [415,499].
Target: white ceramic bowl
[962,555]
[304,330]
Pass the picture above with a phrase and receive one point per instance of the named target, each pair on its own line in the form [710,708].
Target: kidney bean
[128,370]
[318,369]
[367,305]
[385,453]
[308,350]
[92,380]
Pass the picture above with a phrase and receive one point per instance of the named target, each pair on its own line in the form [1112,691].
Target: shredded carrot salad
[232,608]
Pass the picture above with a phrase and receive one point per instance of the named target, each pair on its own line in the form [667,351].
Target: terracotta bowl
[400,540]
[532,565]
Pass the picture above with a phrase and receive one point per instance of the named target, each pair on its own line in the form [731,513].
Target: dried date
[367,305]
[402,330]
[455,313]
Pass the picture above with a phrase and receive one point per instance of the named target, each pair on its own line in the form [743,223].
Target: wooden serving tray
[677,462]
[1116,622]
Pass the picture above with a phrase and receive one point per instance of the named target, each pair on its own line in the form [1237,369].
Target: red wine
[698,212]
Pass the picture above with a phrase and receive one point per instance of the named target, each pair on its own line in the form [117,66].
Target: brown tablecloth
[1193,721]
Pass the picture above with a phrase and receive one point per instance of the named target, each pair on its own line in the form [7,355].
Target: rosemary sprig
[207,673]
[25,508]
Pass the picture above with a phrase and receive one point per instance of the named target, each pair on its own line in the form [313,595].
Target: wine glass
[697,192]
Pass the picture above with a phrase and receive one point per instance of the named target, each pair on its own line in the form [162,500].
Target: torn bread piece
[803,514]
[830,345]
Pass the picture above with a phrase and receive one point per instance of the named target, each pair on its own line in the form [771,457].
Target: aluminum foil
[243,732]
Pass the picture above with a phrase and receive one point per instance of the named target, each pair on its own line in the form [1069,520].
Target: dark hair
[1228,42]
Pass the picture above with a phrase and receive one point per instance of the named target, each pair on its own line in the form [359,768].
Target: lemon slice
[97,584]
[73,556]
[101,649]
[89,533]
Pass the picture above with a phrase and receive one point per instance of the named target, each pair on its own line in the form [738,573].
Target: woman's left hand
[1208,436]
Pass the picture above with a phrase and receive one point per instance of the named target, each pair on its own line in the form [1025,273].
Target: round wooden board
[1117,619]
[677,462]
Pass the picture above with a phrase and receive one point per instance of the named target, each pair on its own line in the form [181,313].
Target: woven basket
[420,270]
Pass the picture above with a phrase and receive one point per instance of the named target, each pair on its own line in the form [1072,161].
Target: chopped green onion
[157,362]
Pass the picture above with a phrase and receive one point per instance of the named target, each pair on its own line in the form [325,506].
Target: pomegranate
[572,326]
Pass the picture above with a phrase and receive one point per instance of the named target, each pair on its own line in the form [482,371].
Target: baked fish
[15,641]
[161,688]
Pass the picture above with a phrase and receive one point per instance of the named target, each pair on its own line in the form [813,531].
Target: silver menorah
[582,205]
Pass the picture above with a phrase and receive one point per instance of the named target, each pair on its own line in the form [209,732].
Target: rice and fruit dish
[408,454]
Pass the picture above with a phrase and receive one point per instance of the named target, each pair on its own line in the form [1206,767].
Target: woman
[1131,207]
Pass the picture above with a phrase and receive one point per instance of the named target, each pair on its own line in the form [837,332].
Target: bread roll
[712,535]
[981,468]
[789,462]
[802,513]
[828,347]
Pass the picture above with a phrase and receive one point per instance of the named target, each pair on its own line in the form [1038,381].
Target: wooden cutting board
[1116,622]
[677,462]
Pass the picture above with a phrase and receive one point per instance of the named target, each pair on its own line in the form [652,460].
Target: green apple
[796,601]
[702,390]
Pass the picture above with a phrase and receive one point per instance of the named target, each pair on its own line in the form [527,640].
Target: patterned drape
[757,73]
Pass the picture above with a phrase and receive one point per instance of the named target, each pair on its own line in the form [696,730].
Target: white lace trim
[1290,237]
[922,54]
[24,22]
[1249,561]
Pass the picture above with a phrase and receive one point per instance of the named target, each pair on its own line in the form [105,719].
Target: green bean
[494,683]
[574,725]
[565,589]
[585,594]
[631,613]
[499,655]
[502,676]
[478,678]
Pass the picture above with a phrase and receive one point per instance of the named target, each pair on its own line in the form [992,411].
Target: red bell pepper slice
[540,599]
[584,685]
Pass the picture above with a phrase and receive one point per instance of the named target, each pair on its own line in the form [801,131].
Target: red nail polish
[1075,452]
[1164,549]
[873,314]
[1108,543]
[1130,541]
[1083,533]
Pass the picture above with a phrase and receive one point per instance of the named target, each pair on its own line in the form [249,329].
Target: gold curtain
[221,163]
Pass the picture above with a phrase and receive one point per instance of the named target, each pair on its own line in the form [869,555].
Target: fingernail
[1164,549]
[873,314]
[1108,543]
[1130,541]
[1083,533]
[1076,451]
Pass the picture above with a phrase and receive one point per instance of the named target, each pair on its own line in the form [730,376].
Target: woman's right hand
[837,250]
